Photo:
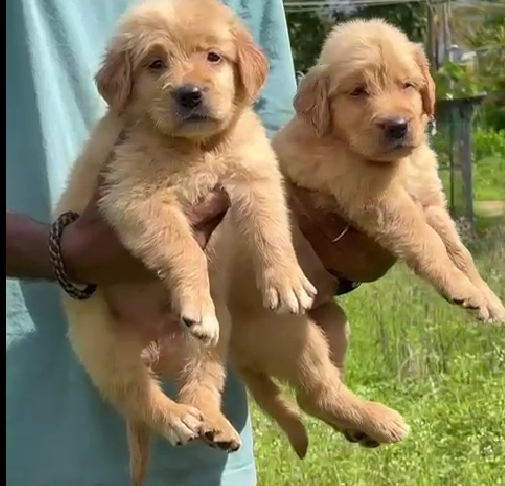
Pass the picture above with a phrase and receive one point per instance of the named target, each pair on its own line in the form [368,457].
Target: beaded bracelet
[57,261]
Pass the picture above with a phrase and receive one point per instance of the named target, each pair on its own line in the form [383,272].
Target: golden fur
[359,139]
[175,150]
[156,173]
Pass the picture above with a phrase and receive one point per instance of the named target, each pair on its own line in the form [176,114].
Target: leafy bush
[488,143]
[456,81]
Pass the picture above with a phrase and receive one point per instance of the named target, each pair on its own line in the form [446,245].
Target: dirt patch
[490,208]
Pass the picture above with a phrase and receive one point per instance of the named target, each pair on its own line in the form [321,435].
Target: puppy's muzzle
[395,128]
[189,98]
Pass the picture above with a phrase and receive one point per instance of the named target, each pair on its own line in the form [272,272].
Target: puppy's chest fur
[353,185]
[149,165]
[152,163]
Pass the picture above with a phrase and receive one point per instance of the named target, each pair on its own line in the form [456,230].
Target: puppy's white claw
[289,304]
[305,294]
[271,298]
[306,300]
[310,289]
[288,292]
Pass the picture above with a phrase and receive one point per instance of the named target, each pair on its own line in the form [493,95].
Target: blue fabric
[59,433]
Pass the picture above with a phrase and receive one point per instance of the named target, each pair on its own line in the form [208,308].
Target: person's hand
[343,250]
[92,252]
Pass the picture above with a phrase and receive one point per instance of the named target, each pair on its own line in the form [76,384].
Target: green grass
[489,179]
[430,361]
[488,166]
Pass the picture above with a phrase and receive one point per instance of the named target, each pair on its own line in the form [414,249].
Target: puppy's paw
[200,321]
[183,424]
[384,425]
[495,309]
[497,315]
[471,298]
[287,291]
[218,432]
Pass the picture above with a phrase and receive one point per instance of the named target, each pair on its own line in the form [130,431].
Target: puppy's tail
[138,436]
[268,396]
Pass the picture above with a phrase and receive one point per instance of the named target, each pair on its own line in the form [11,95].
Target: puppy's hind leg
[111,356]
[203,380]
[321,394]
[268,396]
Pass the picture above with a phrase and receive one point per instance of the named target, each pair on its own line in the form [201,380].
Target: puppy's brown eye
[359,91]
[157,65]
[408,85]
[213,57]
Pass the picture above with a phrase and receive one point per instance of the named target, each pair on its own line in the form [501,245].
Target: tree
[307,31]
[482,29]
[489,40]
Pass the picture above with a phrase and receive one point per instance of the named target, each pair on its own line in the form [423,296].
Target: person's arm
[342,249]
[26,248]
[91,251]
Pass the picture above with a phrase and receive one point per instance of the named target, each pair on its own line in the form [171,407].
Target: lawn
[488,168]
[489,179]
[444,372]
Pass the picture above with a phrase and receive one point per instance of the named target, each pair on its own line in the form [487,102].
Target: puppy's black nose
[188,96]
[395,127]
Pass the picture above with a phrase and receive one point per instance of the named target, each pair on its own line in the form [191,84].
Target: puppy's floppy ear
[311,100]
[428,88]
[252,64]
[114,78]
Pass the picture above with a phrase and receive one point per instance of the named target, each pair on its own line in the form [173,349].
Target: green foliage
[488,143]
[487,72]
[489,41]
[456,81]
[307,31]
[488,180]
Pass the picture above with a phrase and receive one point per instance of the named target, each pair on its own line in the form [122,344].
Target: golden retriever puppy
[179,77]
[358,142]
[358,139]
[305,352]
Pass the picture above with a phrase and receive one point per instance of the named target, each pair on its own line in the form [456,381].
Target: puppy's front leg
[155,229]
[259,209]
[438,218]
[401,227]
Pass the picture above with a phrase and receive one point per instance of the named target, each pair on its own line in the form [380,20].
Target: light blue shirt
[59,433]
